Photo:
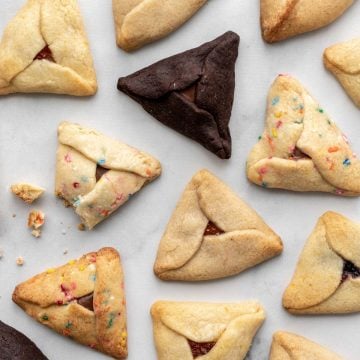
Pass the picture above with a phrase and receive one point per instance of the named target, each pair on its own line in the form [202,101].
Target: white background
[28,126]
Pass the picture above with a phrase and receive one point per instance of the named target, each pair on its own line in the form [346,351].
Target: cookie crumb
[14,215]
[81,227]
[63,232]
[20,261]
[27,192]
[65,251]
[36,220]
[1,253]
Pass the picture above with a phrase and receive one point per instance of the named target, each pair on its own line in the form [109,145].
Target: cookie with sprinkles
[327,275]
[96,174]
[83,300]
[301,148]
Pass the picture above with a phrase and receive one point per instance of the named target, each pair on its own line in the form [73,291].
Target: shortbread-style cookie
[301,148]
[213,234]
[191,330]
[191,92]
[36,220]
[96,174]
[27,192]
[16,346]
[282,19]
[45,50]
[83,300]
[343,60]
[327,276]
[139,22]
[288,346]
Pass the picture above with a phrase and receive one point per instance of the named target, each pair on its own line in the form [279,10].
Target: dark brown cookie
[192,92]
[16,346]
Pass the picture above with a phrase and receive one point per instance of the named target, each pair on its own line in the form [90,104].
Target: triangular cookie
[213,234]
[191,330]
[282,19]
[83,300]
[343,60]
[288,346]
[301,148]
[139,22]
[192,92]
[327,277]
[96,174]
[16,346]
[51,52]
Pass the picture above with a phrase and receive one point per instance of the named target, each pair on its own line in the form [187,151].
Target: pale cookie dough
[213,234]
[97,174]
[327,276]
[83,300]
[27,192]
[44,49]
[190,330]
[282,19]
[301,148]
[139,22]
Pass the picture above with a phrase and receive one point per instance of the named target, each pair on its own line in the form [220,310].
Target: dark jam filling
[190,92]
[297,154]
[100,171]
[87,301]
[350,270]
[199,349]
[212,229]
[45,54]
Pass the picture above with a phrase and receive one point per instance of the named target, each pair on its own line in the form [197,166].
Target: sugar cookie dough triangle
[44,49]
[288,346]
[301,148]
[343,60]
[213,234]
[191,330]
[282,19]
[327,276]
[83,300]
[97,174]
[139,22]
[191,92]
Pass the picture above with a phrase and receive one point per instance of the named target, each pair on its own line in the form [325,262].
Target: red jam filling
[212,229]
[350,270]
[100,171]
[199,349]
[87,301]
[297,154]
[45,54]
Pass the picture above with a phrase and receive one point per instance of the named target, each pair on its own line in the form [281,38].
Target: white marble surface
[27,152]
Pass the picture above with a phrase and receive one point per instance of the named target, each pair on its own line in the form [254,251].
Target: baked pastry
[16,346]
[51,52]
[343,60]
[96,174]
[36,220]
[191,92]
[282,19]
[191,330]
[83,300]
[27,192]
[301,148]
[327,276]
[288,346]
[213,234]
[139,22]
